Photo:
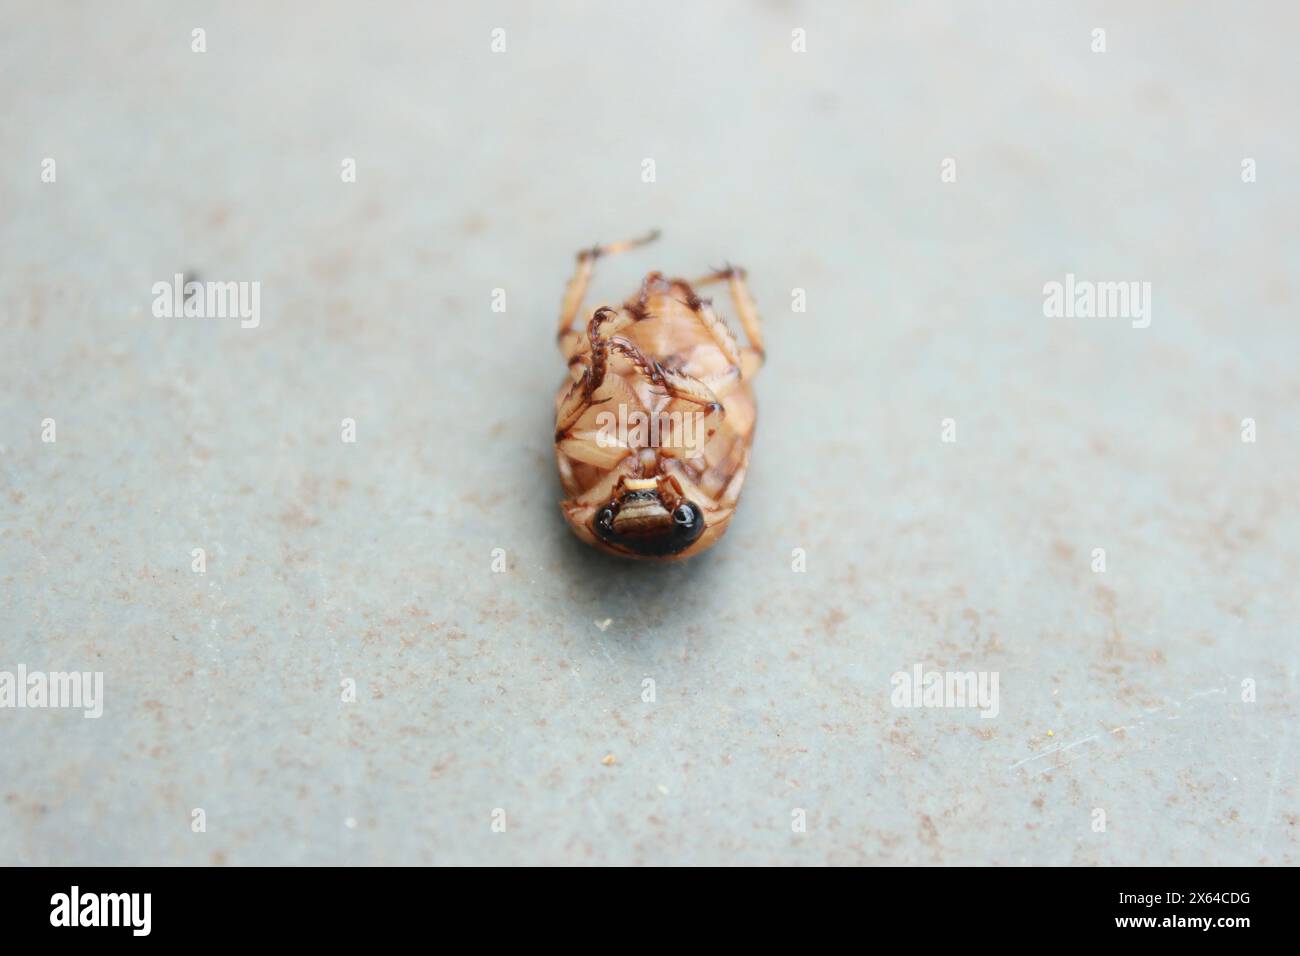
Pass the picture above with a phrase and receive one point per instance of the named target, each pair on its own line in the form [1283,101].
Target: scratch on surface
[1060,748]
[1083,740]
[1283,746]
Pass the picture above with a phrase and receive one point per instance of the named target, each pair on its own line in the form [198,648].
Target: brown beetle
[653,428]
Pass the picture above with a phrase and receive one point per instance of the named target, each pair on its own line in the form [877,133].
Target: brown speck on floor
[833,619]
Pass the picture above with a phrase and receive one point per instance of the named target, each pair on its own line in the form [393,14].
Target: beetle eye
[605,519]
[684,515]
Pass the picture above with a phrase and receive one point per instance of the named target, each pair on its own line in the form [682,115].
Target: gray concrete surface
[327,561]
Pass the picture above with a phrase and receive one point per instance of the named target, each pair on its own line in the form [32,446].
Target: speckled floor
[572,708]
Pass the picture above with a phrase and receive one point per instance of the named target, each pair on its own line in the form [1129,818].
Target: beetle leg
[602,491]
[746,311]
[732,493]
[576,290]
[689,441]
[579,347]
[593,448]
[581,508]
[711,321]
[639,307]
[692,489]
[677,385]
[593,363]
[581,394]
[577,400]
[722,382]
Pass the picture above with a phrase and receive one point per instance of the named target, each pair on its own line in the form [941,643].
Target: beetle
[654,424]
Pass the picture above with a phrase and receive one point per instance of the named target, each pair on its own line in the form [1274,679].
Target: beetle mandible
[654,424]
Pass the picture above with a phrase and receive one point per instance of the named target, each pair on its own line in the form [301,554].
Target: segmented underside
[684,347]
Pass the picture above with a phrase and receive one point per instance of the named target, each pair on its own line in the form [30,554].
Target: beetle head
[649,517]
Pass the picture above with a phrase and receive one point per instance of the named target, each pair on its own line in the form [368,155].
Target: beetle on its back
[653,427]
